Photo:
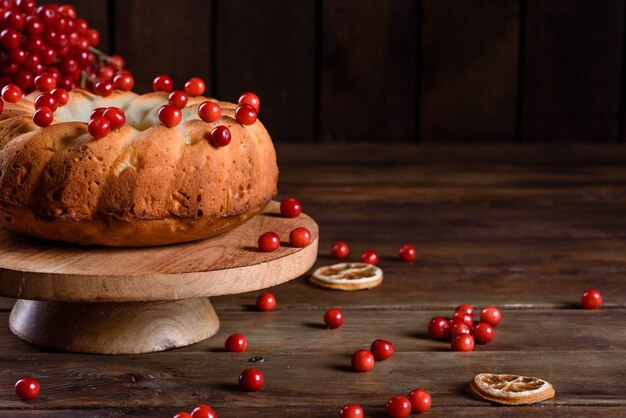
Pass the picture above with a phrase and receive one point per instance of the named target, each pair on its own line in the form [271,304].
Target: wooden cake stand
[138,300]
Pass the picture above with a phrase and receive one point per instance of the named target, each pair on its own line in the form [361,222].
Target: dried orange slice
[348,276]
[510,389]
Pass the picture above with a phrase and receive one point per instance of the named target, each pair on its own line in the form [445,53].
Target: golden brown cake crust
[144,184]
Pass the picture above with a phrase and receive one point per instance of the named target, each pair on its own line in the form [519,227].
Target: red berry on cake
[290,207]
[251,99]
[43,116]
[124,82]
[45,82]
[269,242]
[178,99]
[245,114]
[209,112]
[99,127]
[62,96]
[220,136]
[195,87]
[97,112]
[11,93]
[163,83]
[300,237]
[116,116]
[103,88]
[170,116]
[46,100]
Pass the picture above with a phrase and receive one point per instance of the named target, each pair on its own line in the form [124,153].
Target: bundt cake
[143,184]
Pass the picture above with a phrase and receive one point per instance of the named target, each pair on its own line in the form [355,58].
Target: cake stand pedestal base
[114,327]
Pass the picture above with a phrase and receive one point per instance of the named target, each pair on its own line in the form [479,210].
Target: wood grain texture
[164,37]
[326,381]
[229,263]
[114,328]
[368,70]
[269,47]
[469,68]
[572,70]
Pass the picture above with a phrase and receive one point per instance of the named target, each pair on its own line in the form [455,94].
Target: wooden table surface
[525,228]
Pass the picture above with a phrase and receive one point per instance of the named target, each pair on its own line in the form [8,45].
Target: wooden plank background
[390,70]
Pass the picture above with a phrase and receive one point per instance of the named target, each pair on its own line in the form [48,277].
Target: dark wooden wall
[390,70]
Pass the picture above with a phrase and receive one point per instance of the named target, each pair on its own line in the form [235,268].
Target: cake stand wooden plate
[137,300]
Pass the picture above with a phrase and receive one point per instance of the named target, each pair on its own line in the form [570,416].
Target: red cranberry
[300,237]
[591,299]
[236,343]
[362,361]
[203,411]
[382,350]
[290,207]
[351,411]
[269,242]
[27,388]
[407,253]
[339,250]
[420,400]
[398,407]
[333,318]
[462,342]
[251,380]
[369,257]
[439,328]
[220,136]
[245,114]
[251,99]
[483,333]
[209,112]
[266,302]
[491,315]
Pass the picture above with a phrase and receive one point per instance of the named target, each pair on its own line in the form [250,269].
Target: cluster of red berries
[340,250]
[200,411]
[52,39]
[418,401]
[170,114]
[299,237]
[363,360]
[461,330]
[103,119]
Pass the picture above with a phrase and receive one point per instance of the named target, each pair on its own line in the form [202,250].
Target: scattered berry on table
[407,253]
[290,207]
[300,237]
[269,241]
[203,411]
[333,318]
[369,257]
[251,99]
[467,319]
[398,407]
[483,333]
[251,380]
[381,349]
[591,299]
[351,410]
[491,315]
[236,343]
[266,302]
[27,388]
[339,250]
[457,327]
[464,307]
[245,114]
[220,136]
[362,360]
[420,400]
[439,328]
[209,112]
[462,342]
